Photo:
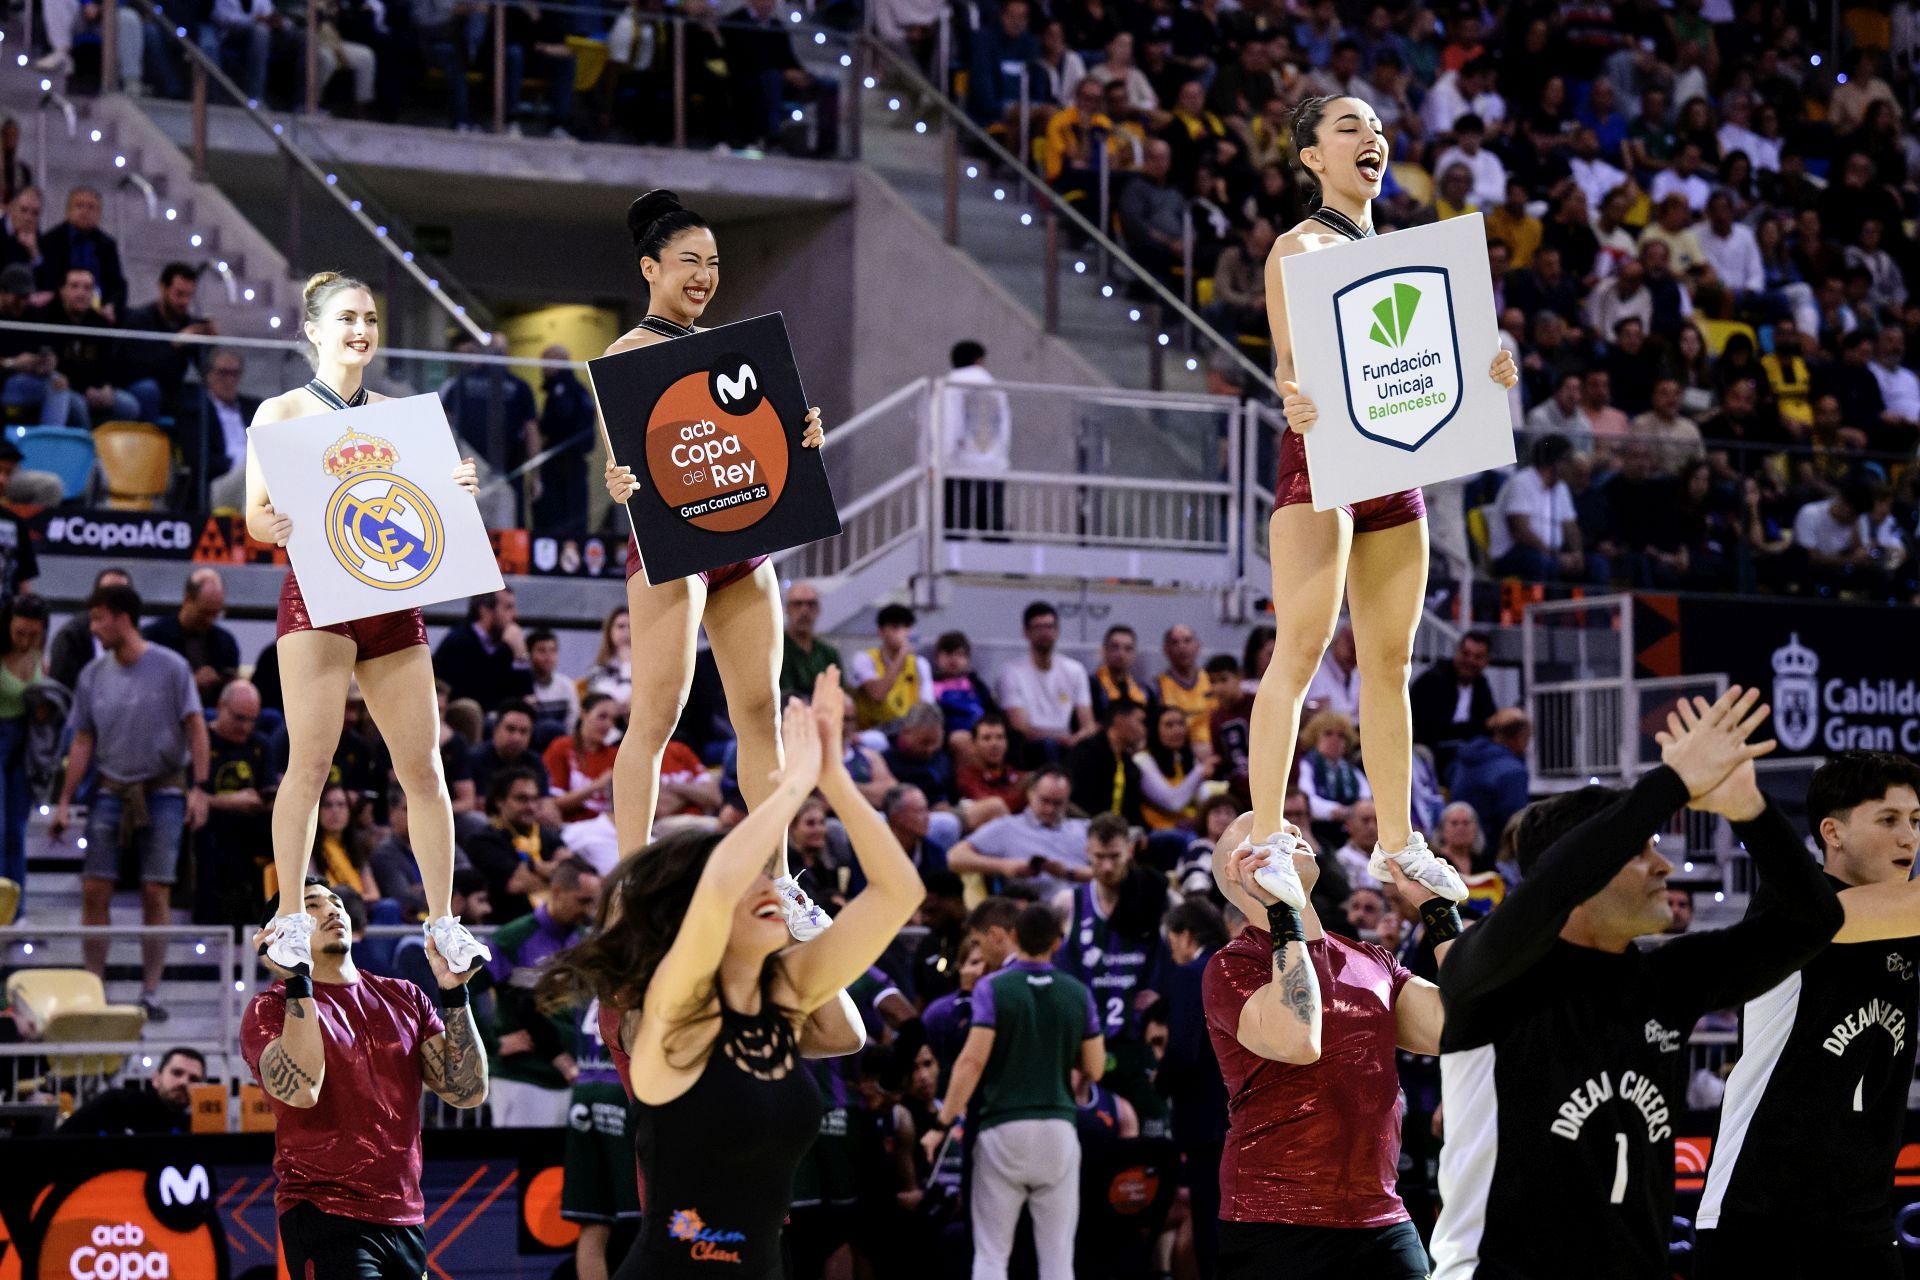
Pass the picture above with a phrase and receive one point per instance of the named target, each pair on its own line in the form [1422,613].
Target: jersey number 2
[1620,1169]
[1116,1011]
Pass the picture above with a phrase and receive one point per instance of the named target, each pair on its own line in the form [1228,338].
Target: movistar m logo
[1393,315]
[735,388]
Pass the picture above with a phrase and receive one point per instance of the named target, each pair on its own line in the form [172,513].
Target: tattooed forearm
[1299,987]
[283,1078]
[297,1009]
[457,1066]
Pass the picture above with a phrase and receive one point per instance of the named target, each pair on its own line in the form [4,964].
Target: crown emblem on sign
[1795,659]
[353,453]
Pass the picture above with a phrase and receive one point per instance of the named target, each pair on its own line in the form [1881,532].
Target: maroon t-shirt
[356,1152]
[610,1020]
[1315,1145]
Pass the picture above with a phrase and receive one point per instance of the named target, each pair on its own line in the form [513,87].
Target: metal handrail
[204,69]
[954,115]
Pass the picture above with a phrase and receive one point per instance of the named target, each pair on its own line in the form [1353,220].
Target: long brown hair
[642,909]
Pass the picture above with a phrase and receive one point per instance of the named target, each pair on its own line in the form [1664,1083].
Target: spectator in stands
[889,679]
[1547,285]
[580,763]
[533,1067]
[1887,288]
[158,1106]
[486,660]
[978,426]
[1899,390]
[1535,534]
[136,722]
[22,644]
[516,852]
[1031,1027]
[918,754]
[1076,140]
[1509,222]
[1491,772]
[1732,252]
[1363,832]
[1240,280]
[1489,174]
[1685,178]
[1336,684]
[340,855]
[447,31]
[1857,91]
[242,32]
[1331,782]
[510,746]
[1673,437]
[492,412]
[1183,684]
[1643,534]
[1230,724]
[1046,695]
[612,669]
[78,244]
[1453,194]
[75,644]
[1680,905]
[15,174]
[1105,778]
[86,361]
[555,700]
[1834,536]
[1153,213]
[765,75]
[909,817]
[1562,413]
[962,696]
[32,391]
[566,426]
[1452,699]
[224,415]
[1040,842]
[156,371]
[20,242]
[989,786]
[1119,68]
[231,851]
[1609,425]
[1457,94]
[194,632]
[1113,678]
[1170,775]
[19,566]
[805,654]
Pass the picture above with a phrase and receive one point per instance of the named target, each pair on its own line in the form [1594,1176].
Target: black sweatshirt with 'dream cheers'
[1563,1068]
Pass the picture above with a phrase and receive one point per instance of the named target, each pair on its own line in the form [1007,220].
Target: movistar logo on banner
[1393,314]
[1406,394]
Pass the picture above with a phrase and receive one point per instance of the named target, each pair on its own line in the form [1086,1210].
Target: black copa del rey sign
[711,426]
[1839,677]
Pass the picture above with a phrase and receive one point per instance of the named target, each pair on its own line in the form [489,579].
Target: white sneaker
[458,947]
[1279,876]
[805,920]
[290,942]
[1421,865]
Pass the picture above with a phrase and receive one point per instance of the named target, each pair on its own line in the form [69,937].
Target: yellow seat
[589,62]
[1716,333]
[1479,530]
[9,901]
[136,462]
[55,1005]
[1203,292]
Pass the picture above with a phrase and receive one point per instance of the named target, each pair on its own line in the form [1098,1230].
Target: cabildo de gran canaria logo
[381,528]
[1841,713]
[1404,395]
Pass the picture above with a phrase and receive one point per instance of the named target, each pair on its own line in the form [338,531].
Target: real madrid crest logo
[382,528]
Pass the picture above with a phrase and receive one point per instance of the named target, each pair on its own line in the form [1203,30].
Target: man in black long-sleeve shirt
[1563,1060]
[157,1106]
[486,660]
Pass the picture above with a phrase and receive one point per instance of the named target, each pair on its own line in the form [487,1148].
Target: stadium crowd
[1095,793]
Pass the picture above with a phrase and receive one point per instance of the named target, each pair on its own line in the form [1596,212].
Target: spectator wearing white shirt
[976,425]
[1591,171]
[1617,244]
[1731,250]
[228,413]
[1899,388]
[1888,288]
[1737,134]
[555,698]
[1561,414]
[1489,175]
[1045,694]
[1535,532]
[1625,297]
[1336,685]
[1119,66]
[1684,178]
[1837,539]
[1355,857]
[1457,93]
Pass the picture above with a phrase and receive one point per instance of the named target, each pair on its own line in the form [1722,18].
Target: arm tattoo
[296,1009]
[281,1076]
[457,1069]
[1300,987]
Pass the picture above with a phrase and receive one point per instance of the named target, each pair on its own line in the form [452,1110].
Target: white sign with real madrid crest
[378,523]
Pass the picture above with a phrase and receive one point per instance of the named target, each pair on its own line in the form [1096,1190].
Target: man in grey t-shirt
[1040,844]
[137,721]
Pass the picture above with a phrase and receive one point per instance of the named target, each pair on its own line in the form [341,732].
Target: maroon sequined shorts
[1371,516]
[375,637]
[725,575]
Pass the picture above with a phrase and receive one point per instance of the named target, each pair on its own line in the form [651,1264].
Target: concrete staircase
[112,147]
[1111,331]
